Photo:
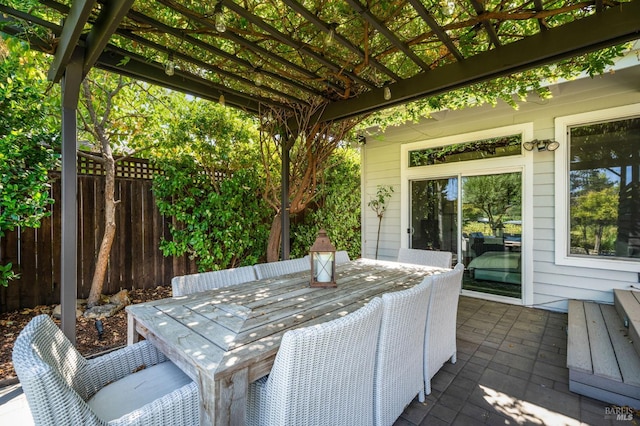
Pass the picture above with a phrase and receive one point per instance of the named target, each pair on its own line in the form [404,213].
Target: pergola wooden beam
[387,33]
[288,41]
[493,36]
[108,21]
[326,27]
[250,45]
[72,30]
[437,29]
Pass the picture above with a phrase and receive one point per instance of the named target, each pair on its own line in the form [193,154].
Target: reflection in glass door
[491,227]
[492,233]
[434,215]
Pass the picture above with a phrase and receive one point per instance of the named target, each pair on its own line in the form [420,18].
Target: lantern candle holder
[323,262]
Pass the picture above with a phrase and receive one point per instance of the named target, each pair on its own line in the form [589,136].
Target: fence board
[29,293]
[9,244]
[45,258]
[135,260]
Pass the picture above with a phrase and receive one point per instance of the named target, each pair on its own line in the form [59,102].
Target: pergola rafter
[493,36]
[437,29]
[327,27]
[282,40]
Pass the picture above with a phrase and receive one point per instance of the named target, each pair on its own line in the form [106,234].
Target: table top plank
[211,327]
[182,344]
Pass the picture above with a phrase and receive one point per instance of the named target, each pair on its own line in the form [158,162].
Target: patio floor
[511,369]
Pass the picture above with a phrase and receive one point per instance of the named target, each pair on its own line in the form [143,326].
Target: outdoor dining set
[259,345]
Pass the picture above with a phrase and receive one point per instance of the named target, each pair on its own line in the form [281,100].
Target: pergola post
[284,240]
[71,81]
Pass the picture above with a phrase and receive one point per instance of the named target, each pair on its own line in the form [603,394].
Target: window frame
[562,199]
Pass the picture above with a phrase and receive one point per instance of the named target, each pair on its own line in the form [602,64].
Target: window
[466,151]
[603,187]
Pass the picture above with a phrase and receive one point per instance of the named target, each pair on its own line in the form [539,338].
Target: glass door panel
[434,215]
[492,233]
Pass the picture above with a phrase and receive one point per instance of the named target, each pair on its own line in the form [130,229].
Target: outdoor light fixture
[218,17]
[387,93]
[99,329]
[328,38]
[258,79]
[541,145]
[448,7]
[170,66]
[323,261]
[221,100]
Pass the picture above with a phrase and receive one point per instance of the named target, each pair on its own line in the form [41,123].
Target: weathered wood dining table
[226,338]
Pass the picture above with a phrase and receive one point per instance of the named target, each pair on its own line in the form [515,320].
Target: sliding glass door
[478,218]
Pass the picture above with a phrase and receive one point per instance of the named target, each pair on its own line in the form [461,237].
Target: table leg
[231,398]
[132,334]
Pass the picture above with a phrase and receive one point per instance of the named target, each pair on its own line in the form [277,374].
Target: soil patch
[87,342]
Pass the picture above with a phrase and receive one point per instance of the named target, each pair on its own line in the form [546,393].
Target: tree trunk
[596,245]
[378,239]
[273,248]
[97,283]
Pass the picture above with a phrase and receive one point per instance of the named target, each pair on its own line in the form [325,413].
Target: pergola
[353,58]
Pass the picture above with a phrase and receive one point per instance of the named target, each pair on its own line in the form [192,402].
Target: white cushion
[136,390]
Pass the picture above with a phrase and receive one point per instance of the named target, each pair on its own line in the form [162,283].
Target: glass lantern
[323,262]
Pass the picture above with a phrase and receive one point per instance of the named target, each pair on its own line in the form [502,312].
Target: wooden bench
[602,360]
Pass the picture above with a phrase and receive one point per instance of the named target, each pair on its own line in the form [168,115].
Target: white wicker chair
[135,385]
[440,335]
[194,283]
[398,375]
[322,374]
[440,259]
[342,257]
[283,267]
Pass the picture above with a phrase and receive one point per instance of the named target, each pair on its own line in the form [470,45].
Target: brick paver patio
[511,370]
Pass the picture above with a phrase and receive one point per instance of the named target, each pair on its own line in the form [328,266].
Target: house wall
[552,284]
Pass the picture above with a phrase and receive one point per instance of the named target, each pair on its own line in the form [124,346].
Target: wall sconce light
[221,100]
[323,262]
[541,145]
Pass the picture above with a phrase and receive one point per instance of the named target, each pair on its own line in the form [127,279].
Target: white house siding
[552,284]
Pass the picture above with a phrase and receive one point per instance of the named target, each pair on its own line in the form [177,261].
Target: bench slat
[578,353]
[627,303]
[628,359]
[602,355]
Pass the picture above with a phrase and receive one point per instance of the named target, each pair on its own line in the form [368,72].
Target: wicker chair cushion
[136,390]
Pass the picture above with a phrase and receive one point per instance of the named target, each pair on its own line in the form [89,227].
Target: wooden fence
[135,261]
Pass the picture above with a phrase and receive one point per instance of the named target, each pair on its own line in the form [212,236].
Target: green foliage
[336,209]
[210,186]
[24,154]
[379,203]
[495,197]
[493,147]
[510,89]
[594,215]
[220,226]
